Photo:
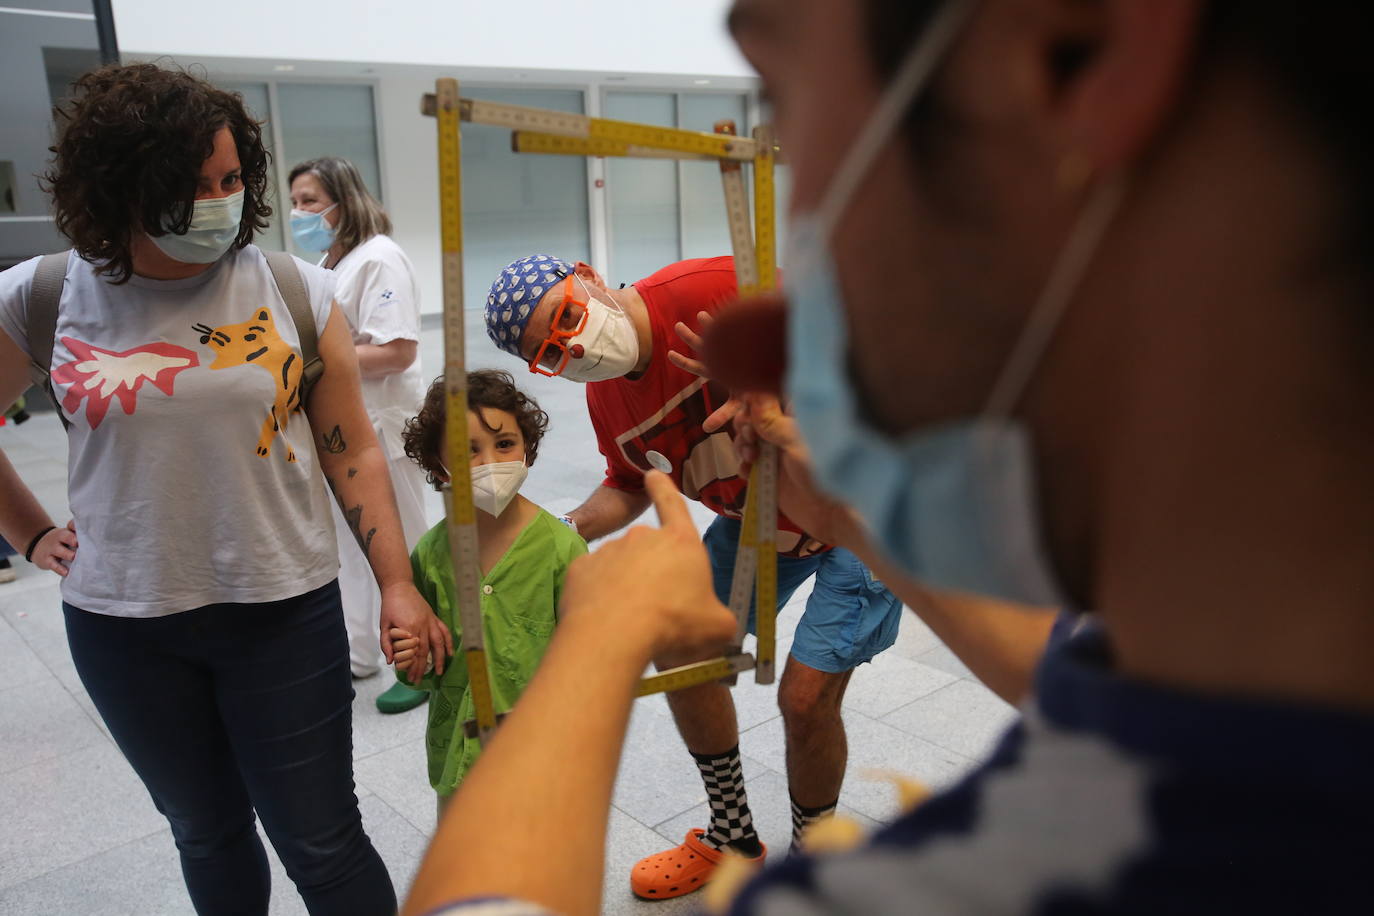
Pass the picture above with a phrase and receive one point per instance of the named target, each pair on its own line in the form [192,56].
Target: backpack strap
[292,288]
[44,296]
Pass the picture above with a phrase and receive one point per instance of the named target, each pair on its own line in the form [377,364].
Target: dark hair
[495,388]
[360,214]
[1313,54]
[130,144]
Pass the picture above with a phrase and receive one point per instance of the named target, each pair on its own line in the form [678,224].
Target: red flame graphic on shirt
[99,375]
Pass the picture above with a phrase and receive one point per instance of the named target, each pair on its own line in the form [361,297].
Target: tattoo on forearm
[334,442]
[354,517]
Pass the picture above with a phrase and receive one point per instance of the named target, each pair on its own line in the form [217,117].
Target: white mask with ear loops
[610,345]
[495,485]
[214,226]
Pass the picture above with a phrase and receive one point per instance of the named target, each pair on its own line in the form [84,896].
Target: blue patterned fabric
[517,290]
[1157,800]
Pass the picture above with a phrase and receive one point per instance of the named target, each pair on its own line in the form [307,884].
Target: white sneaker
[7,573]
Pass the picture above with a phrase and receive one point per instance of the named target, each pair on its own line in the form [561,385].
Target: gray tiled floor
[78,834]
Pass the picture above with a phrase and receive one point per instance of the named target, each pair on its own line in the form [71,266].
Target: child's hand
[404,609]
[403,646]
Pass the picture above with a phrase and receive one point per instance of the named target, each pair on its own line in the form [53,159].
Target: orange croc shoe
[681,870]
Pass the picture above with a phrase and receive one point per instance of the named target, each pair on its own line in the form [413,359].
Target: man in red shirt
[648,411]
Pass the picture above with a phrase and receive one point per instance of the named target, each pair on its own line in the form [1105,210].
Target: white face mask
[214,226]
[495,485]
[610,346]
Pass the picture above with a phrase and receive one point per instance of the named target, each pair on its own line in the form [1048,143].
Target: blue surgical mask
[311,231]
[953,505]
[214,226]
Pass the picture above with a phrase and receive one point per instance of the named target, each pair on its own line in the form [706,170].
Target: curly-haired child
[524,554]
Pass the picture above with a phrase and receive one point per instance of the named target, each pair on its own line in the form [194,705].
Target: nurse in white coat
[333,213]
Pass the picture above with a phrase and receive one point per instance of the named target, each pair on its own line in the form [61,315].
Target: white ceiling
[551,41]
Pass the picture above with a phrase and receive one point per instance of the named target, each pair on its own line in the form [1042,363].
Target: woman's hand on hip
[56,550]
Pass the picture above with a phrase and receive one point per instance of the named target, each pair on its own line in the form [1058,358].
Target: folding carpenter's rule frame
[555,132]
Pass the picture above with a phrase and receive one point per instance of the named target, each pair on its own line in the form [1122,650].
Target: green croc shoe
[400,698]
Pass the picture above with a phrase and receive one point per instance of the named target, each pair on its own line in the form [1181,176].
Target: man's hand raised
[762,419]
[693,339]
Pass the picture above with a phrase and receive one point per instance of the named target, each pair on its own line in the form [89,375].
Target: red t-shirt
[654,421]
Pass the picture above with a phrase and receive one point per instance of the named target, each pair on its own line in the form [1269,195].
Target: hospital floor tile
[963,717]
[875,750]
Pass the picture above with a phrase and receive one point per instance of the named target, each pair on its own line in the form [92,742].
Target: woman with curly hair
[198,571]
[375,287]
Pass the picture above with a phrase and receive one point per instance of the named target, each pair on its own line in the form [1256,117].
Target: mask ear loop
[319,213]
[1069,268]
[607,302]
[912,76]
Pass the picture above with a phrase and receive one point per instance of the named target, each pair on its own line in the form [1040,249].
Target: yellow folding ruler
[755,573]
[539,131]
[763,479]
[462,515]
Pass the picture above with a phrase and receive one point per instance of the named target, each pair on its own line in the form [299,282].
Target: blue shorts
[850,616]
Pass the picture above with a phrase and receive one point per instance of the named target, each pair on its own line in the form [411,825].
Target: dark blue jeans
[235,708]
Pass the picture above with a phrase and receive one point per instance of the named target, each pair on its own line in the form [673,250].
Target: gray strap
[292,288]
[44,296]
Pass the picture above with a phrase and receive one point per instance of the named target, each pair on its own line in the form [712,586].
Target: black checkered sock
[803,817]
[731,822]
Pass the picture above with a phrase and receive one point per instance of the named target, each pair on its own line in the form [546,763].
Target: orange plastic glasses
[557,335]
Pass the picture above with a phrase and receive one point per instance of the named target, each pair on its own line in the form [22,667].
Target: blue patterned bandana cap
[517,290]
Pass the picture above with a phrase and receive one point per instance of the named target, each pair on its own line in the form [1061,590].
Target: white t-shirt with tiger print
[192,473]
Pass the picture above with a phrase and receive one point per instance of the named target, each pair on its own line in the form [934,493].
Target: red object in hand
[745,348]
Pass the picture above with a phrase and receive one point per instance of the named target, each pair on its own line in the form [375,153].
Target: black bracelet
[28,554]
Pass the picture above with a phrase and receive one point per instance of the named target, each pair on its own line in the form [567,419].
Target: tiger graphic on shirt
[256,342]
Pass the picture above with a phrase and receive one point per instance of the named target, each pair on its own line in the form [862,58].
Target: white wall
[402,46]
[646,36]
[411,161]
[25,112]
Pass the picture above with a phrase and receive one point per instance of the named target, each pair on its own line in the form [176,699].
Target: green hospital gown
[519,607]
